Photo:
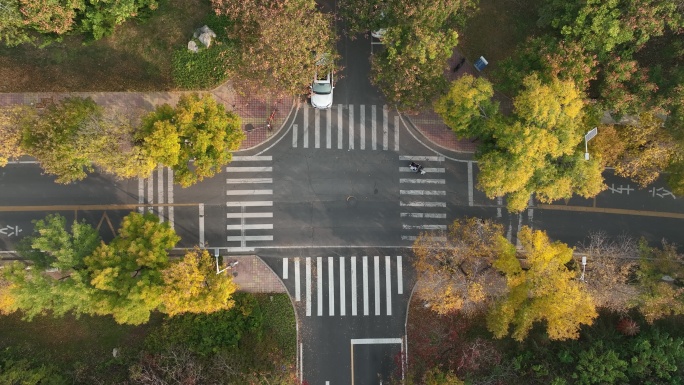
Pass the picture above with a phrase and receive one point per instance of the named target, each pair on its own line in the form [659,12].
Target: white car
[322,85]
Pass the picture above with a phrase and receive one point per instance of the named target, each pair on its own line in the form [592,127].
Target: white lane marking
[413,238]
[339,127]
[423,215]
[317,128]
[351,126]
[424,158]
[436,170]
[376,341]
[388,284]
[249,180]
[508,233]
[328,128]
[238,249]
[160,191]
[249,192]
[249,203]
[249,169]
[141,194]
[201,225]
[285,265]
[249,215]
[400,278]
[353,285]
[362,126]
[170,196]
[294,135]
[298,291]
[424,227]
[301,362]
[251,158]
[308,286]
[150,192]
[470,183]
[331,288]
[319,284]
[305,129]
[374,135]
[343,294]
[385,129]
[250,238]
[422,204]
[376,282]
[365,285]
[396,133]
[422,192]
[422,181]
[530,210]
[261,226]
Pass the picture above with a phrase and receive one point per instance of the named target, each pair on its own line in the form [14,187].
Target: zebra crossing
[423,202]
[163,199]
[348,127]
[325,281]
[249,205]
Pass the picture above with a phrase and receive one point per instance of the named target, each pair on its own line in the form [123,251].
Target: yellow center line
[91,207]
[602,210]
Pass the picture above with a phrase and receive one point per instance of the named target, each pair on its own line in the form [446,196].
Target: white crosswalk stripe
[423,210]
[367,128]
[164,196]
[249,212]
[334,290]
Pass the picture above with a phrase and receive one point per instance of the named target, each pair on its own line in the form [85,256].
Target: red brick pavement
[253,275]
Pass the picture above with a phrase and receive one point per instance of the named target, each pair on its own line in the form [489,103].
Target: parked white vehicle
[323,84]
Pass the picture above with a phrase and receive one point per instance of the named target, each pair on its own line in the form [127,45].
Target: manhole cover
[249,127]
[351,201]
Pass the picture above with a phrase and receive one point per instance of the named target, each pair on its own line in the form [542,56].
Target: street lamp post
[589,136]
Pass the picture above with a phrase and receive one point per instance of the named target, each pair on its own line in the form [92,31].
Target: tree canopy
[41,21]
[534,151]
[455,274]
[195,138]
[277,42]
[192,285]
[545,291]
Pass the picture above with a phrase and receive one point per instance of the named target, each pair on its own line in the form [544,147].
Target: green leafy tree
[54,246]
[455,274]
[417,44]
[193,286]
[599,365]
[660,296]
[127,272]
[43,21]
[25,372]
[275,42]
[10,133]
[195,138]
[656,358]
[54,138]
[546,291]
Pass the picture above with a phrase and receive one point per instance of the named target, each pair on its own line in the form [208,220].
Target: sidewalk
[431,126]
[254,112]
[253,275]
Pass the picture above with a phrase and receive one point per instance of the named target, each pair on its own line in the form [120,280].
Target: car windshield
[322,88]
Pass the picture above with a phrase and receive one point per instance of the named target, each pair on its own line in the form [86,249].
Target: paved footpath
[254,112]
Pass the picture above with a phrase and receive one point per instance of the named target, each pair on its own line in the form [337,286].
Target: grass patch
[280,322]
[497,28]
[137,57]
[206,68]
[76,346]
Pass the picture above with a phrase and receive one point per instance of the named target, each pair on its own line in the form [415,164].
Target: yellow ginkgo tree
[192,286]
[540,289]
